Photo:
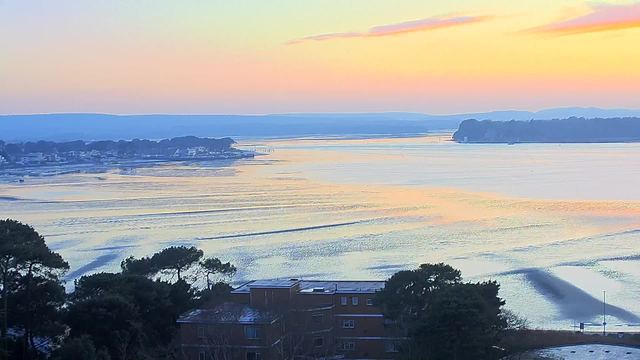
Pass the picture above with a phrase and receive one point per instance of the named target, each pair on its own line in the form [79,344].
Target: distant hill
[572,129]
[67,127]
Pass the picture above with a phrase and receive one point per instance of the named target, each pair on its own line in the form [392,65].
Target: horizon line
[324,113]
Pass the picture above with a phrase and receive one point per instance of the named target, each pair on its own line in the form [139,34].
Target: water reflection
[365,208]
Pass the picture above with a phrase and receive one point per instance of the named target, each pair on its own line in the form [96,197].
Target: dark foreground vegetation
[571,130]
[443,317]
[127,315]
[132,314]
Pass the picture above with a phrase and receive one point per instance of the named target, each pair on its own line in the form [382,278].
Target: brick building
[287,319]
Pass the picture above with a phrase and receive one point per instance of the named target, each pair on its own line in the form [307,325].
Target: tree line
[572,129]
[135,146]
[126,315]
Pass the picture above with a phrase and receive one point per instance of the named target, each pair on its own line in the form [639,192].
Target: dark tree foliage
[159,303]
[442,317]
[558,130]
[213,266]
[463,322]
[141,266]
[173,260]
[214,295]
[28,268]
[155,304]
[126,315]
[42,306]
[176,259]
[13,149]
[102,317]
[163,147]
[408,292]
[80,348]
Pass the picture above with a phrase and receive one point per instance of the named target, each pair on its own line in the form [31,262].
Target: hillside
[65,127]
[569,130]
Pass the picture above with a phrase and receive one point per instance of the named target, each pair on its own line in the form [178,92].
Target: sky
[289,56]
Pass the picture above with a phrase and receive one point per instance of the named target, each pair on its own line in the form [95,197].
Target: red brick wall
[271,298]
[364,326]
[302,325]
[361,308]
[366,349]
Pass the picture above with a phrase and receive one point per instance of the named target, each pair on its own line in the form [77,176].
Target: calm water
[555,225]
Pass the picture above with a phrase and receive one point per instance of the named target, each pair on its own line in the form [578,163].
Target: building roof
[315,286]
[271,284]
[342,286]
[229,313]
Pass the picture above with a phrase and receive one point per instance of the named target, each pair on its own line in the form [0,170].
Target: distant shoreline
[109,152]
[49,170]
[230,156]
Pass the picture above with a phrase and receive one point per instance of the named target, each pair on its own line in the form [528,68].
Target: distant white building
[53,157]
[33,158]
[181,152]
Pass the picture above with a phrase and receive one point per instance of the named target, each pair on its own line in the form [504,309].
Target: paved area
[591,352]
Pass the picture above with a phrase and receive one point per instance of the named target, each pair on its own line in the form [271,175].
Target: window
[202,355]
[317,318]
[318,341]
[369,302]
[354,300]
[348,324]
[200,332]
[252,332]
[343,300]
[253,355]
[348,346]
[391,347]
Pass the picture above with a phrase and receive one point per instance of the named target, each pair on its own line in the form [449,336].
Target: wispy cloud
[397,29]
[602,18]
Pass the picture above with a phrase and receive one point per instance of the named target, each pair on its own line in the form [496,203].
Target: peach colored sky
[278,56]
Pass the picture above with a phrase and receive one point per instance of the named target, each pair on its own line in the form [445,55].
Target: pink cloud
[397,29]
[602,18]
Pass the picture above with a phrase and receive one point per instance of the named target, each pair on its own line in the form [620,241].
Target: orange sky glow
[283,56]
